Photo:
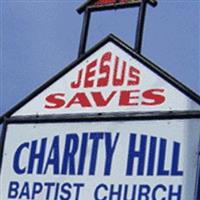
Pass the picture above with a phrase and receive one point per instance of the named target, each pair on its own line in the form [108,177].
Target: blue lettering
[56,191]
[162,158]
[48,186]
[78,189]
[118,192]
[109,151]
[155,190]
[25,193]
[97,192]
[37,188]
[176,194]
[16,159]
[45,190]
[126,189]
[175,160]
[71,147]
[65,189]
[144,192]
[13,190]
[96,137]
[132,154]
[37,156]
[53,157]
[152,156]
[83,153]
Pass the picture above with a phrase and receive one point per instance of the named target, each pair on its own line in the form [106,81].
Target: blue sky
[40,38]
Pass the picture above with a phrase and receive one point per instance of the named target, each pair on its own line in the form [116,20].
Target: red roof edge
[89,3]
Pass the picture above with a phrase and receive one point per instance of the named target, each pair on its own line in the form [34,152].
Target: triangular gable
[110,77]
[109,4]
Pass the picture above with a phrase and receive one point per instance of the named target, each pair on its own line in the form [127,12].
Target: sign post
[100,5]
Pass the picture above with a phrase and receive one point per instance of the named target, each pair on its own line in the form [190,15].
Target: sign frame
[113,117]
[7,118]
[110,38]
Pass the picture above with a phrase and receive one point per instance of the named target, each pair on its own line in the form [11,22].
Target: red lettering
[89,74]
[118,81]
[79,98]
[103,75]
[78,82]
[104,70]
[155,96]
[127,98]
[134,76]
[100,100]
[55,101]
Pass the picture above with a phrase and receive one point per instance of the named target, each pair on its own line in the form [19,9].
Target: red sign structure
[110,4]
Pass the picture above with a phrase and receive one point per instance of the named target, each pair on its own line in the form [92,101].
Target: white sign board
[108,80]
[123,160]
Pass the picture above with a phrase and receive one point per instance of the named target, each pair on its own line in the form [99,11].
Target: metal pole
[198,179]
[2,140]
[84,32]
[140,26]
